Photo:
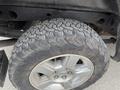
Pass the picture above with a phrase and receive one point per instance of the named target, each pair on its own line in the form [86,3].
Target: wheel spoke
[83,69]
[67,85]
[82,73]
[57,64]
[71,61]
[46,69]
[44,82]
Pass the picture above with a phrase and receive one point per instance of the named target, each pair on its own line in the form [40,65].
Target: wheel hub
[63,77]
[63,72]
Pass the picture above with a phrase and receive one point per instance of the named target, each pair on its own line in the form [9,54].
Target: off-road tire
[55,37]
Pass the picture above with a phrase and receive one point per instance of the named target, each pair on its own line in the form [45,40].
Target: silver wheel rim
[63,72]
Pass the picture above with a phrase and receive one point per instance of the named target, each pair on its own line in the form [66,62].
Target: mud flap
[3,67]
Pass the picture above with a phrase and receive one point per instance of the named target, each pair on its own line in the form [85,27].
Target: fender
[102,14]
[34,9]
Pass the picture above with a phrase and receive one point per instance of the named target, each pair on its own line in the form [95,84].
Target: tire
[56,37]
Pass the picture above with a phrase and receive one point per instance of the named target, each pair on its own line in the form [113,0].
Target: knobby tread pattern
[43,35]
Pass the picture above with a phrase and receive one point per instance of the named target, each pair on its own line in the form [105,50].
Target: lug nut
[56,77]
[69,72]
[64,77]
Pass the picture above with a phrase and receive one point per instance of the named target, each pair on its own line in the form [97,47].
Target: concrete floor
[110,81]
